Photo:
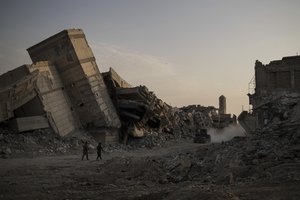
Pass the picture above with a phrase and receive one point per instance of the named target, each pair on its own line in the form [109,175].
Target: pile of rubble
[190,122]
[269,157]
[281,108]
[40,142]
[191,119]
[140,111]
[144,115]
[271,154]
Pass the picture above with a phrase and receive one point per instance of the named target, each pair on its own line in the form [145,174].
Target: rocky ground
[38,143]
[263,166]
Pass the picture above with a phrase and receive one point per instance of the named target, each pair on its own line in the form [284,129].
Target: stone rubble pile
[281,108]
[39,142]
[182,123]
[143,114]
[271,155]
[171,124]
[268,156]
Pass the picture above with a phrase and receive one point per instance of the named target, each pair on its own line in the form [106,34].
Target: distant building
[272,81]
[222,104]
[279,76]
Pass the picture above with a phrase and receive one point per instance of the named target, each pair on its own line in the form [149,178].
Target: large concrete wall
[76,65]
[55,101]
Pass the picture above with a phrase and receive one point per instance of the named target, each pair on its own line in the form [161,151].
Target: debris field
[151,150]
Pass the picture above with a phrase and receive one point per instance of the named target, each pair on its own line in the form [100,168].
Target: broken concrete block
[29,123]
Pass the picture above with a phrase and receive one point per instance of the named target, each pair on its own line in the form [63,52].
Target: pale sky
[187,52]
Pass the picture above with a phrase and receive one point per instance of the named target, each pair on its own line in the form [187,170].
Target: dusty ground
[158,173]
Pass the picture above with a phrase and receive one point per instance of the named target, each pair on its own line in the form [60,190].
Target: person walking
[85,150]
[99,149]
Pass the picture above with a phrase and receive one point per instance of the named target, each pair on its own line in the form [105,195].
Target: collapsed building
[211,117]
[64,90]
[274,94]
[138,108]
[68,89]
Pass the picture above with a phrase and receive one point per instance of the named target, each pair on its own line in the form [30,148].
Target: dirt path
[138,174]
[73,160]
[62,177]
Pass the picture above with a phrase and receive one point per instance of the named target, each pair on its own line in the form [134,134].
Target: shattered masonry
[276,95]
[64,89]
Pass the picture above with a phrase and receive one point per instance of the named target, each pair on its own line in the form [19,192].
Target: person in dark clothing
[85,149]
[99,149]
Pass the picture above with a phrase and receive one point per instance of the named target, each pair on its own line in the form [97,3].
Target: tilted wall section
[55,101]
[76,65]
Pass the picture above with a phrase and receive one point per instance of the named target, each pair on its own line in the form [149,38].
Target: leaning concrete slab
[54,98]
[80,76]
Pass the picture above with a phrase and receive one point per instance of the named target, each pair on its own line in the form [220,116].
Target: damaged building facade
[63,86]
[64,90]
[34,97]
[276,93]
[82,80]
